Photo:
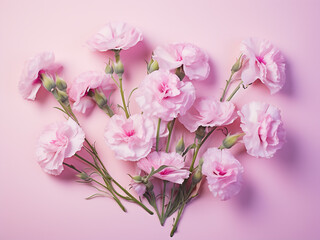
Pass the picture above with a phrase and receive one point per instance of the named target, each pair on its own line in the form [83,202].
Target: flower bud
[230,140]
[180,147]
[137,179]
[100,99]
[48,82]
[61,84]
[118,68]
[84,176]
[109,69]
[200,133]
[197,176]
[237,65]
[61,96]
[152,66]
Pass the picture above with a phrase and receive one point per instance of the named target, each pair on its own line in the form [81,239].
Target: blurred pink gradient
[281,195]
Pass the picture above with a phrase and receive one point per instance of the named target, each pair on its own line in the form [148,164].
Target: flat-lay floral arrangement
[170,173]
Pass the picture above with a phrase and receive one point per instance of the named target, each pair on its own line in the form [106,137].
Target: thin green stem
[198,148]
[123,98]
[163,202]
[169,136]
[235,91]
[132,197]
[72,167]
[226,87]
[158,135]
[175,225]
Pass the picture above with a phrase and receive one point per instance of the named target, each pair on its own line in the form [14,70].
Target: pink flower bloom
[84,83]
[131,139]
[264,62]
[193,59]
[30,81]
[162,95]
[59,141]
[263,127]
[173,173]
[115,36]
[223,171]
[139,188]
[208,112]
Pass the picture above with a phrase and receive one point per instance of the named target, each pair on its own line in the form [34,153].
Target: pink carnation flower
[208,112]
[139,188]
[30,81]
[115,36]
[131,139]
[264,62]
[85,82]
[263,127]
[173,173]
[223,171]
[162,95]
[57,142]
[193,59]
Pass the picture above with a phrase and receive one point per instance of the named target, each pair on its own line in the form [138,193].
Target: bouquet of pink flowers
[170,174]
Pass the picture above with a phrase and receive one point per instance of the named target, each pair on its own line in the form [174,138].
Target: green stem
[158,135]
[235,91]
[132,197]
[175,225]
[198,148]
[226,87]
[170,133]
[123,98]
[163,202]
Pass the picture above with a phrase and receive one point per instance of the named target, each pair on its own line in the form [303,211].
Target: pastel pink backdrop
[280,198]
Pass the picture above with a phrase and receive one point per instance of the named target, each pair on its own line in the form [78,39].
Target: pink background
[280,199]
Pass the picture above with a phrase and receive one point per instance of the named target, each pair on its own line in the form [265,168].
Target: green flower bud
[200,133]
[152,66]
[109,69]
[61,96]
[61,84]
[48,82]
[100,99]
[84,176]
[230,140]
[118,68]
[137,179]
[237,65]
[197,176]
[180,147]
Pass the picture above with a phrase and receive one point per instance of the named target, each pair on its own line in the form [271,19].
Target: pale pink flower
[208,112]
[115,36]
[263,128]
[85,82]
[223,171]
[175,171]
[193,59]
[131,139]
[263,61]
[59,141]
[30,80]
[139,188]
[162,95]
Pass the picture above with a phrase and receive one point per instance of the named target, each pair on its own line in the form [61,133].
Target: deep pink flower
[193,59]
[57,142]
[263,127]
[264,62]
[131,139]
[162,95]
[116,35]
[85,82]
[208,112]
[30,80]
[173,173]
[223,171]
